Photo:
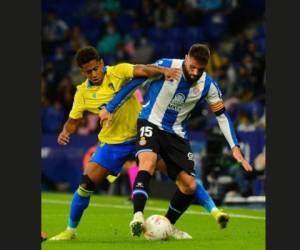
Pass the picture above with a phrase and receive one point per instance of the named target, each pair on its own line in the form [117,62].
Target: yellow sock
[214,212]
[83,193]
[112,178]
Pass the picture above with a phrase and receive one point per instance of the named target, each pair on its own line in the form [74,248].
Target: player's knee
[188,188]
[147,164]
[192,186]
[87,186]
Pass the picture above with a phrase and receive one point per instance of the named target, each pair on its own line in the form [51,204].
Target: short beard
[187,75]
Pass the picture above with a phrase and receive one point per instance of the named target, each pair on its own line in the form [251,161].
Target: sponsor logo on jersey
[190,156]
[177,102]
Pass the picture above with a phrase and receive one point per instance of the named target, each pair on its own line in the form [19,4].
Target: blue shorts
[113,156]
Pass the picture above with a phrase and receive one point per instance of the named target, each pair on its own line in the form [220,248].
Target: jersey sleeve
[227,129]
[121,73]
[124,93]
[214,99]
[163,62]
[124,70]
[78,106]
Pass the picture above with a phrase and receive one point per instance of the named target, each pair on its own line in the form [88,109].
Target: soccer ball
[157,227]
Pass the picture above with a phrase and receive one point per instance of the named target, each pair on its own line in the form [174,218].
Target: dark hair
[85,55]
[200,52]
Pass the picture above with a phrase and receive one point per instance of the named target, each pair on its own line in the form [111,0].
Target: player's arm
[151,70]
[75,116]
[107,110]
[216,103]
[139,74]
[69,128]
[124,92]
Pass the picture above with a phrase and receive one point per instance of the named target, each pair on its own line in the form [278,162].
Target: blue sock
[81,200]
[203,197]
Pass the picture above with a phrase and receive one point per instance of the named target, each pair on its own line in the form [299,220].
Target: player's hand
[105,115]
[172,74]
[237,154]
[63,138]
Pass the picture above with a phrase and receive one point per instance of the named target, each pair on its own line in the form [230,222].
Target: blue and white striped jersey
[168,104]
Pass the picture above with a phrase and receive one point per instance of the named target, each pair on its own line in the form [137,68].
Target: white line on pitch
[243,216]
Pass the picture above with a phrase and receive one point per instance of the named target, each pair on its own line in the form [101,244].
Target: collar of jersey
[90,84]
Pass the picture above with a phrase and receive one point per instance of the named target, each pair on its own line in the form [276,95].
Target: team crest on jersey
[94,95]
[177,102]
[196,90]
[111,86]
[142,141]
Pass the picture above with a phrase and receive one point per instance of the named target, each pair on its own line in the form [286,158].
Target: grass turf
[104,225]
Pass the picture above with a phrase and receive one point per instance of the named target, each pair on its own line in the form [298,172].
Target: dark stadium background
[142,31]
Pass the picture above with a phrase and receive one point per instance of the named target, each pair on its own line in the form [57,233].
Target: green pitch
[105,226]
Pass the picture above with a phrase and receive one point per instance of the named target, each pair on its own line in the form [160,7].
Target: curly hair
[85,55]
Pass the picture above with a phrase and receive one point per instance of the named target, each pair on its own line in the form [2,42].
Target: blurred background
[143,31]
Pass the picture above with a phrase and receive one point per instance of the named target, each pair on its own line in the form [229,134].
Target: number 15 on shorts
[146,131]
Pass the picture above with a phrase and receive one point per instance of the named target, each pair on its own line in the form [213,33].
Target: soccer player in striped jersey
[118,139]
[162,129]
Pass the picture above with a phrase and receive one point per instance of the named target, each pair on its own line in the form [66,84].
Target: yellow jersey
[90,97]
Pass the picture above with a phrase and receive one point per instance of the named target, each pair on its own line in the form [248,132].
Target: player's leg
[204,199]
[147,163]
[147,148]
[201,195]
[179,157]
[183,197]
[108,159]
[176,153]
[181,200]
[132,170]
[184,184]
[161,166]
[93,175]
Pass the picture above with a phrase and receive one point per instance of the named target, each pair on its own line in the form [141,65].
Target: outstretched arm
[140,73]
[228,131]
[150,70]
[216,103]
[123,93]
[107,110]
[70,127]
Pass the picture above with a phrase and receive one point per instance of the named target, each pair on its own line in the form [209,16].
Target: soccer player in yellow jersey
[117,139]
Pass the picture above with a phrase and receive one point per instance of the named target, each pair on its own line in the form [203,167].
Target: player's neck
[90,83]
